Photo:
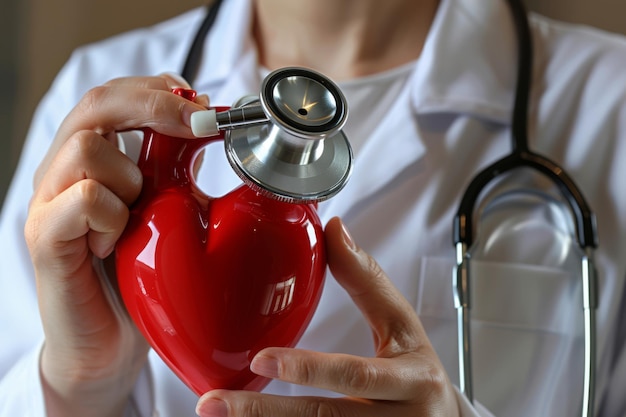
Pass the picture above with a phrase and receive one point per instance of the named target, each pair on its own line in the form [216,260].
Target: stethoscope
[288,144]
[522,156]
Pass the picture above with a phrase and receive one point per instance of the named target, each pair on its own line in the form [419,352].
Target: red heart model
[212,281]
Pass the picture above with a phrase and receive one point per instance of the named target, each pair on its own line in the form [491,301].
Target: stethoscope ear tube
[585,222]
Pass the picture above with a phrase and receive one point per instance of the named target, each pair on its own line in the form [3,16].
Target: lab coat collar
[468,63]
[392,148]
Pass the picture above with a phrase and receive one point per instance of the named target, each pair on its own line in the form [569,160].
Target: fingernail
[212,408]
[109,251]
[265,366]
[188,112]
[347,237]
[203,123]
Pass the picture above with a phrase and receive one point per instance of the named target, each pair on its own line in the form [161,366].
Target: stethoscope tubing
[463,226]
[585,223]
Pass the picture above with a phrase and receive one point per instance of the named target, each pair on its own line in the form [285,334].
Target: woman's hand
[92,353]
[405,378]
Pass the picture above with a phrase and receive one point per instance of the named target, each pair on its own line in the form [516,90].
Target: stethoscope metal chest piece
[288,142]
[301,154]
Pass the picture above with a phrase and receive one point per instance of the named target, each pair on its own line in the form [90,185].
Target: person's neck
[341,38]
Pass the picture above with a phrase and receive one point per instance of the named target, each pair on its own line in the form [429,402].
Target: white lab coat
[453,119]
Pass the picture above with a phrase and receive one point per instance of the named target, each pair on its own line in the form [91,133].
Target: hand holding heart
[405,379]
[92,353]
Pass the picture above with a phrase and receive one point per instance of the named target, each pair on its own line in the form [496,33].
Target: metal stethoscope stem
[590,305]
[241,117]
[463,305]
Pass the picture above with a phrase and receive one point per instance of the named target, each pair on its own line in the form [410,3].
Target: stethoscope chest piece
[301,155]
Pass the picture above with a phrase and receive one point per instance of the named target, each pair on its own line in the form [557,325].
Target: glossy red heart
[212,281]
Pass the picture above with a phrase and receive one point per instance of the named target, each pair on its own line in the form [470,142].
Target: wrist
[77,392]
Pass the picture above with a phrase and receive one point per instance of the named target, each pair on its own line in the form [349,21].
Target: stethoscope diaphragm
[287,143]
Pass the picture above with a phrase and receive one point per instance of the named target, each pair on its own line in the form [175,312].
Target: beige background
[37,36]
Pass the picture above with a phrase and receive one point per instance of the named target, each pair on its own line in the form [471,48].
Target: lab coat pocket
[526,338]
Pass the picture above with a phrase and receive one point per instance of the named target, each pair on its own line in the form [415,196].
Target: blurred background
[37,37]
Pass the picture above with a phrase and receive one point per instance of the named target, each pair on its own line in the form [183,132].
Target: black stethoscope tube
[521,156]
[192,62]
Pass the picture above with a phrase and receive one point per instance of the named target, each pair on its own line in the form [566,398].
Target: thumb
[345,260]
[389,314]
[353,268]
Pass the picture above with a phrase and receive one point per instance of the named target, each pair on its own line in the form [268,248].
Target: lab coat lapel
[468,63]
[392,147]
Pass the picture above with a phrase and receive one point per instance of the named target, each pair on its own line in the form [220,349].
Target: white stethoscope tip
[204,123]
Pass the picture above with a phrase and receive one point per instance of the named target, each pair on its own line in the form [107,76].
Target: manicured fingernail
[265,366]
[204,123]
[188,110]
[347,237]
[212,408]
